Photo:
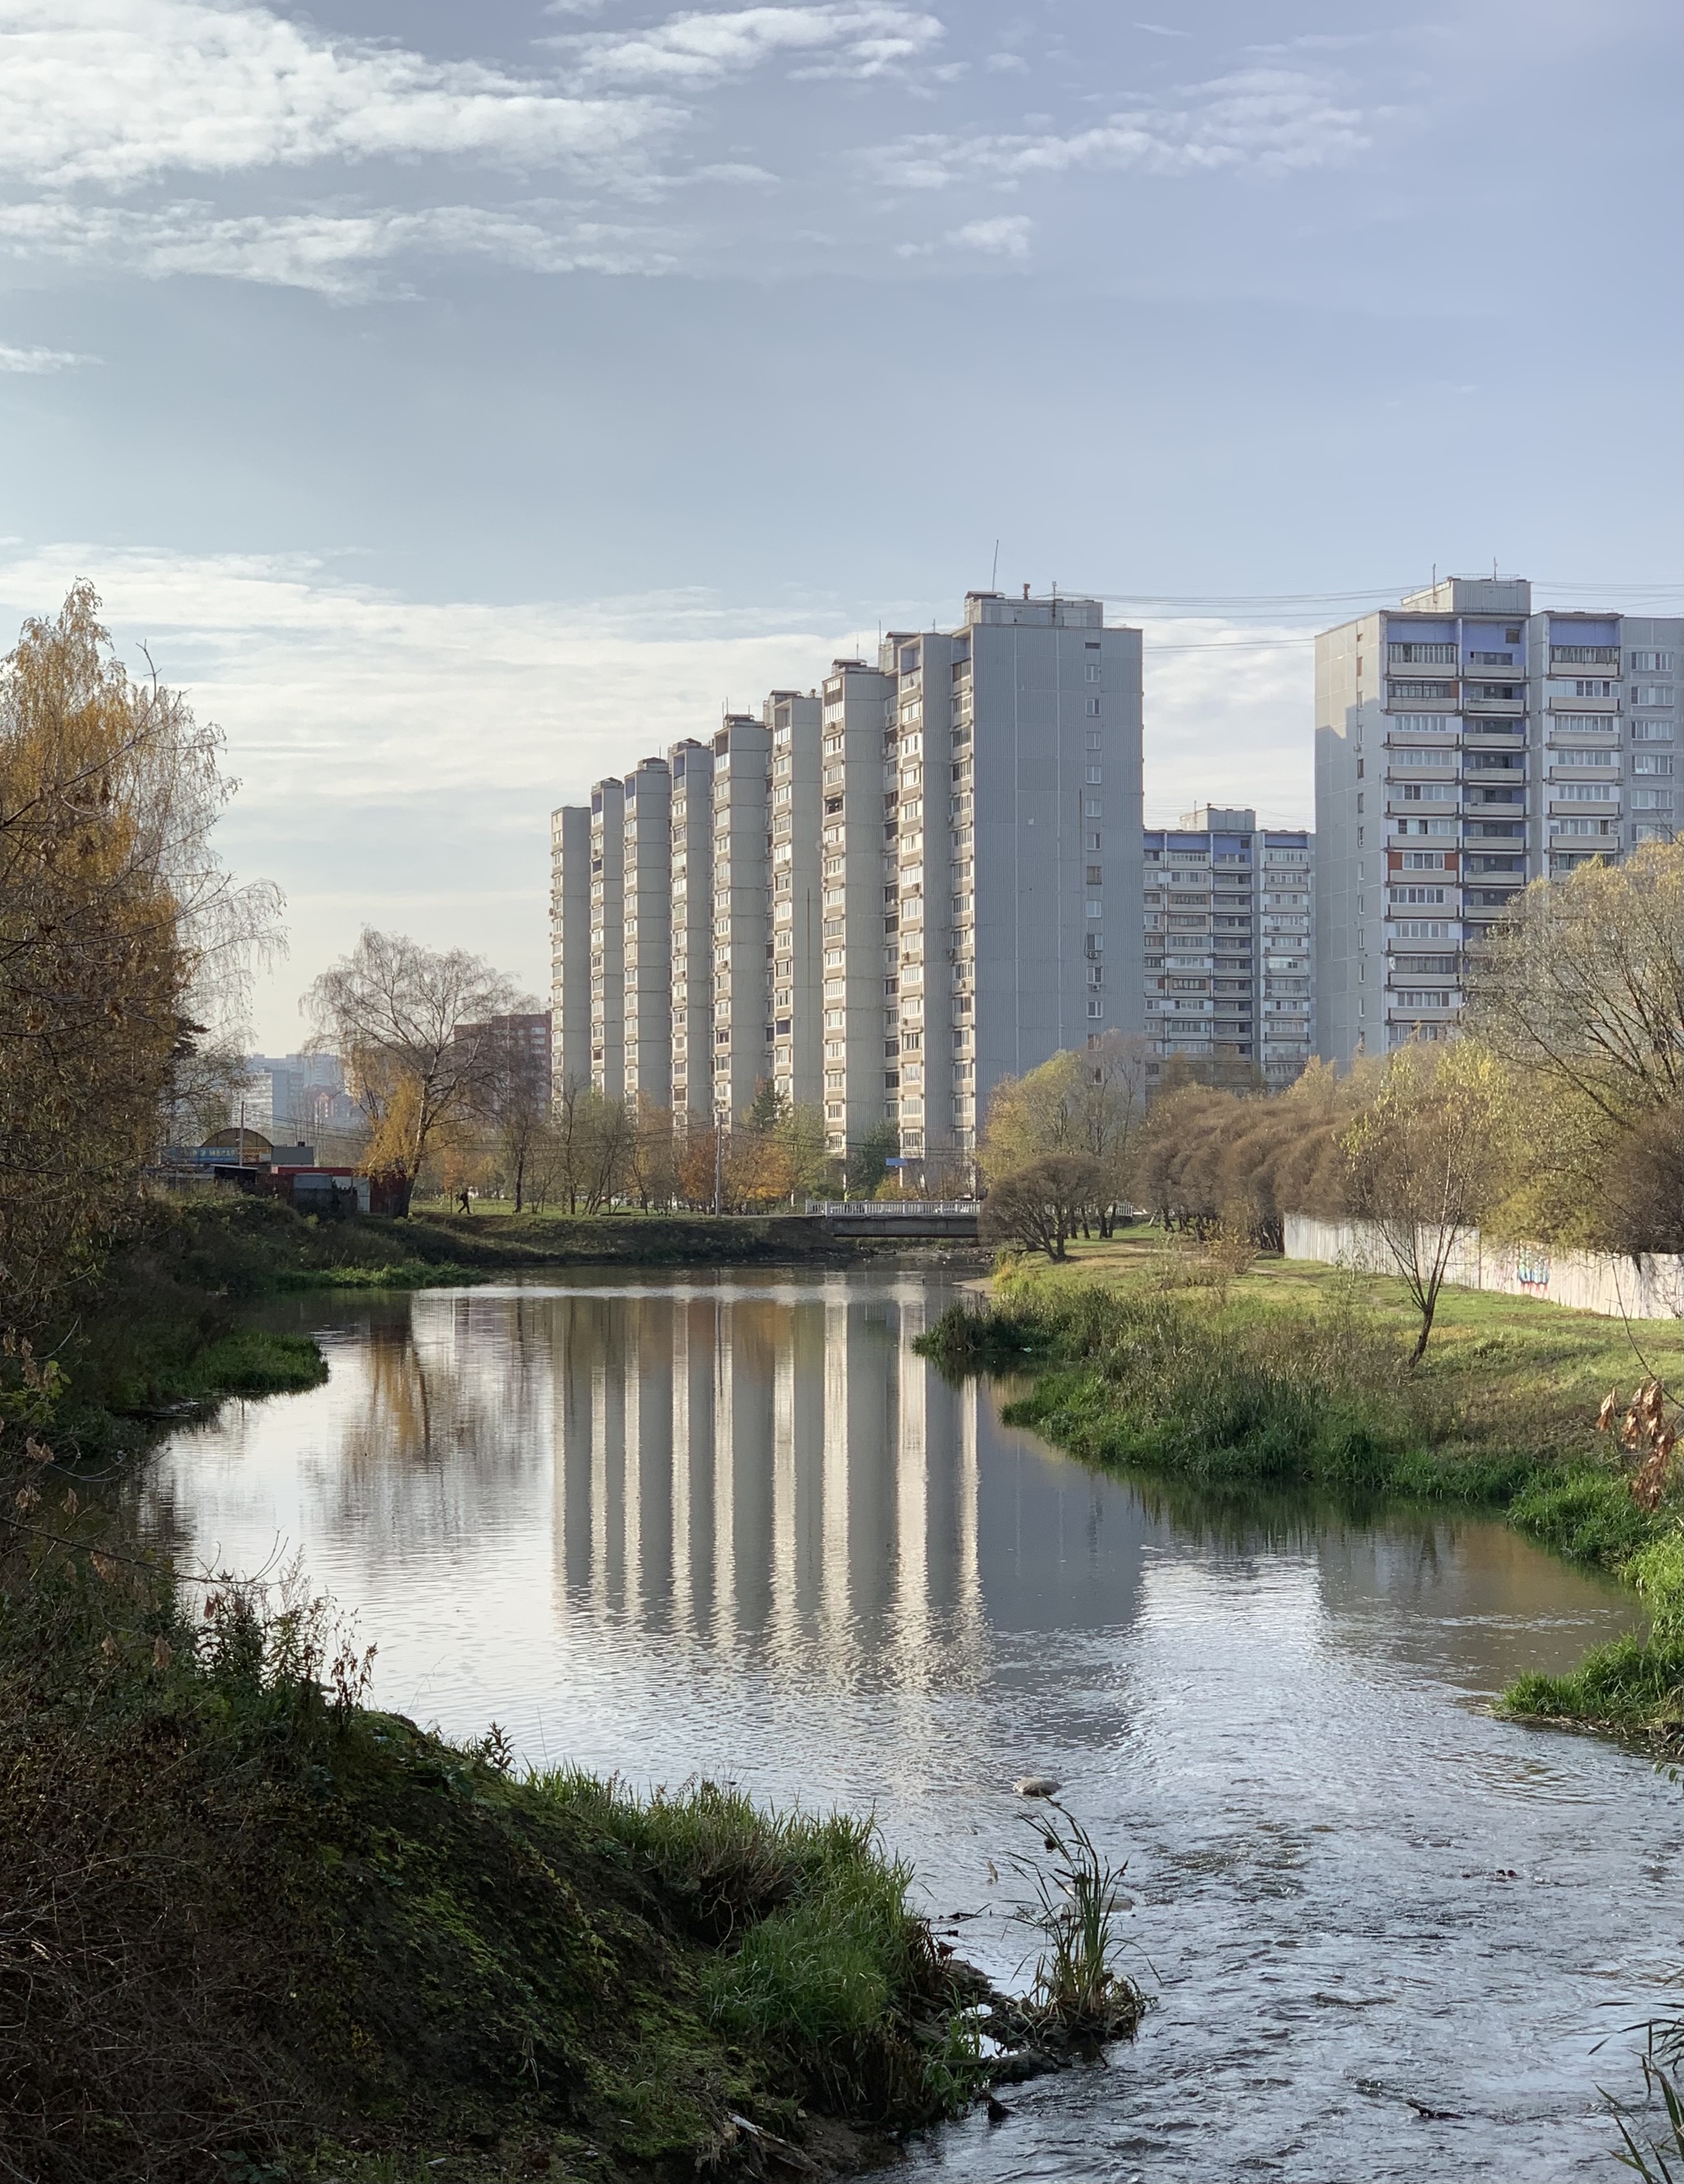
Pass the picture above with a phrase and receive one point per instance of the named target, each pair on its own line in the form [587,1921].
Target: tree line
[1556,1117]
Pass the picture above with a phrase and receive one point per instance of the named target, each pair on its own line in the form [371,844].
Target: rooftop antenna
[1493,568]
[994,573]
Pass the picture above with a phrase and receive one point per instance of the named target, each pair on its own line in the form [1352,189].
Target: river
[730,1525]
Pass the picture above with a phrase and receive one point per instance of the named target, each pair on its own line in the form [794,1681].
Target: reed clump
[1078,1994]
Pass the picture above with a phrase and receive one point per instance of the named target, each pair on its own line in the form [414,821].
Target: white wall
[1652,1288]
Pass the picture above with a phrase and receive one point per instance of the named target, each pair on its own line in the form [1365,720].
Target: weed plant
[1079,1993]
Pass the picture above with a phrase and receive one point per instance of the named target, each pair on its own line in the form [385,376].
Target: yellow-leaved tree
[1580,993]
[416,1029]
[123,942]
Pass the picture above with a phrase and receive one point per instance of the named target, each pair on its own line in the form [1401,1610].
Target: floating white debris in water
[1037,1786]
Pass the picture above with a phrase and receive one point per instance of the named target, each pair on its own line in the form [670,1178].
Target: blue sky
[464,401]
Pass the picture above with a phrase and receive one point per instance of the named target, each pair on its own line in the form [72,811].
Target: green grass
[1291,1377]
[286,1929]
[250,1362]
[397,1274]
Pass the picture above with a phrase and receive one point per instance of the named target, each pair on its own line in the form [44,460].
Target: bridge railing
[879,1209]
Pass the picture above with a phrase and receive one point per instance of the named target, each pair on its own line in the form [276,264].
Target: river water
[728,1524]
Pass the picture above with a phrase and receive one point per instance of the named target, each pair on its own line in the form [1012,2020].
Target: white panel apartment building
[1465,745]
[923,878]
[1229,960]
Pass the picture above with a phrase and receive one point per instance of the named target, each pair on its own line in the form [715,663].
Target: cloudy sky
[464,401]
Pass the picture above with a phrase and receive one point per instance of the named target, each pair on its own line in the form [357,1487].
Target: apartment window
[1424,861]
[1418,895]
[1424,928]
[1653,663]
[1430,997]
[1091,808]
[1491,659]
[1093,707]
[1425,724]
[1595,688]
[1651,693]
[1096,1011]
[1096,742]
[1652,732]
[1421,755]
[1096,909]
[1651,799]
[1096,775]
[1093,671]
[1604,757]
[1422,690]
[1096,874]
[1419,654]
[1583,724]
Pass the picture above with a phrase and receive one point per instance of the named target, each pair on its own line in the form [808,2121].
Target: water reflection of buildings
[775,1468]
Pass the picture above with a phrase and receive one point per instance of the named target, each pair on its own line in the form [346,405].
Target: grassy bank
[254,1929]
[162,1328]
[1290,1375]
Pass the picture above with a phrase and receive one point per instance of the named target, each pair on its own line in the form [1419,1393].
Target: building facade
[1466,745]
[1229,943]
[879,898]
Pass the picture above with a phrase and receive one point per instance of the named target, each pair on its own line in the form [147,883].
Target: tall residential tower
[880,899]
[1465,745]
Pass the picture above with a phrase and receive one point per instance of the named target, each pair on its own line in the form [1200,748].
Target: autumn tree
[124,943]
[1426,1158]
[1041,1204]
[1091,1102]
[410,1024]
[1580,992]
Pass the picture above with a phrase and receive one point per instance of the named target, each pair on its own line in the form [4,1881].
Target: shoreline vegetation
[163,1331]
[1220,1376]
[260,1932]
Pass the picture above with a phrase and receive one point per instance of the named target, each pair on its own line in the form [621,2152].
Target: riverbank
[256,1930]
[163,1330]
[1151,1360]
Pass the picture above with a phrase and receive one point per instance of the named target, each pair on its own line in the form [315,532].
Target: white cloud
[1006,64]
[40,359]
[1006,238]
[399,758]
[339,254]
[113,92]
[1228,709]
[695,50]
[1269,119]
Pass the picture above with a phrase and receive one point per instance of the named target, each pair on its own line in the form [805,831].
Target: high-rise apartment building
[741,842]
[570,949]
[1228,909]
[1465,745]
[647,892]
[880,898]
[608,938]
[796,909]
[691,924]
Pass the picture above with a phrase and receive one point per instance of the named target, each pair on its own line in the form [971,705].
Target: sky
[461,404]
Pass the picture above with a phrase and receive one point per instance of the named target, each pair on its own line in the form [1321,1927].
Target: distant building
[301,1095]
[1464,746]
[1227,931]
[514,1056]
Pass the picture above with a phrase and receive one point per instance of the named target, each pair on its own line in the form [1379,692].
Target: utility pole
[718,1161]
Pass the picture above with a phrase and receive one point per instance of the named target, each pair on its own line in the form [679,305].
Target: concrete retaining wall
[1652,1288]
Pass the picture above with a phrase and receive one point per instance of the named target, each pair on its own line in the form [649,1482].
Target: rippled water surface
[730,1525]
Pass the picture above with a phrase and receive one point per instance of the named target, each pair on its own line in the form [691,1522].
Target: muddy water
[730,1525]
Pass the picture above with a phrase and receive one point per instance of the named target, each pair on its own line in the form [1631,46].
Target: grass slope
[255,1932]
[1290,1375]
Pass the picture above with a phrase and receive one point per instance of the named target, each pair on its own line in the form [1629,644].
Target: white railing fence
[910,1208]
[1648,1288]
